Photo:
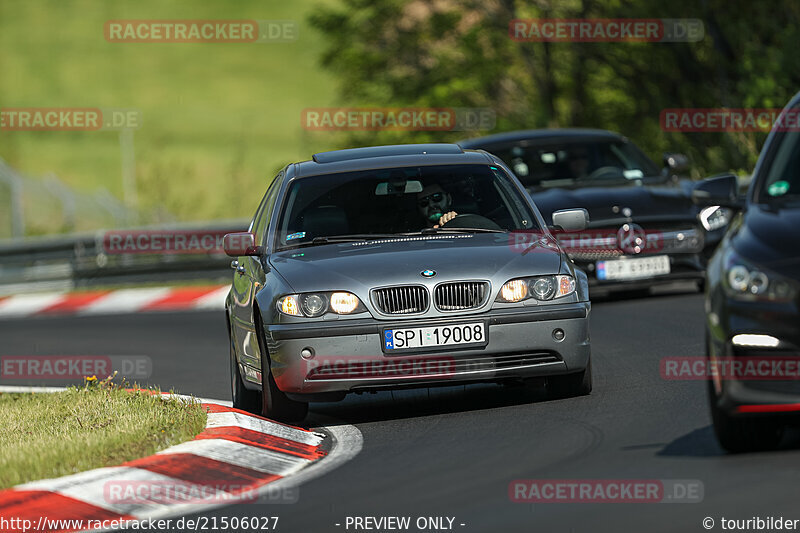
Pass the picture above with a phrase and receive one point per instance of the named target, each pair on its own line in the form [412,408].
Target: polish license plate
[633,268]
[473,333]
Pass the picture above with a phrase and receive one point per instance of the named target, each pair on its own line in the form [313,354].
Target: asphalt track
[453,452]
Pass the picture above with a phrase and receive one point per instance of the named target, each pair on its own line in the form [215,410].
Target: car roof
[376,157]
[542,136]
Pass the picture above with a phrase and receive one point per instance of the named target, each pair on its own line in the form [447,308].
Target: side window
[259,226]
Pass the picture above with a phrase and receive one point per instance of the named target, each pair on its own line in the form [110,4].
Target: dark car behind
[644,227]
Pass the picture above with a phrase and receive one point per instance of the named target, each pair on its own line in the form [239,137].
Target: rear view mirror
[720,190]
[240,243]
[571,219]
[398,187]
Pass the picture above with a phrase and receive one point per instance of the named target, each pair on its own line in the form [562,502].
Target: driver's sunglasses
[431,198]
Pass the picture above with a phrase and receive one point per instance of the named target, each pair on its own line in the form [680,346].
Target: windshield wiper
[334,239]
[355,237]
[434,231]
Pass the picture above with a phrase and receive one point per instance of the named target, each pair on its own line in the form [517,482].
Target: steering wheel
[471,221]
[605,172]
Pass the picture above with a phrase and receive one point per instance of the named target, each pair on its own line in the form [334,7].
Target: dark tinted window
[782,181]
[400,200]
[575,164]
[263,215]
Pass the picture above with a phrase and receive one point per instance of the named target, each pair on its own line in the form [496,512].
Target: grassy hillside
[218,119]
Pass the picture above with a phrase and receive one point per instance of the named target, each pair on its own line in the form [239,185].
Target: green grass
[51,435]
[218,120]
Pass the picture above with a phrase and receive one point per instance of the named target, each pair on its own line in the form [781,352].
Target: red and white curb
[117,301]
[238,457]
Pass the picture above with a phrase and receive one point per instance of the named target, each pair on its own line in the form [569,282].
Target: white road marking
[97,487]
[243,455]
[216,420]
[213,300]
[28,304]
[124,301]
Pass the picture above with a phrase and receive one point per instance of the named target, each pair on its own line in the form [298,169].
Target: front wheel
[740,435]
[274,403]
[571,385]
[277,405]
[243,398]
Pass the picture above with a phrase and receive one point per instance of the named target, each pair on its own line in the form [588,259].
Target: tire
[243,398]
[274,403]
[742,435]
[571,385]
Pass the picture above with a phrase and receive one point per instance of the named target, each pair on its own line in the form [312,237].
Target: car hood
[647,203]
[362,266]
[769,236]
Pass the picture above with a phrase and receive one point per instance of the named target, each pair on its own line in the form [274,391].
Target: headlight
[714,217]
[344,303]
[541,288]
[744,281]
[515,290]
[314,304]
[288,305]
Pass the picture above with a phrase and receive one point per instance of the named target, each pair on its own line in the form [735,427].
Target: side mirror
[240,243]
[722,190]
[676,164]
[571,219]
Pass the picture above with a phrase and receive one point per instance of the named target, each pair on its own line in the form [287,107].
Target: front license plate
[473,333]
[633,268]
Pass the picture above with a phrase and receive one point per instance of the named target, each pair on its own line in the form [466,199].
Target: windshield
[575,164]
[393,201]
[782,183]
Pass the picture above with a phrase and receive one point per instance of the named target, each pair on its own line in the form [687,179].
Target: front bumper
[769,394]
[348,357]
[683,267]
[688,250]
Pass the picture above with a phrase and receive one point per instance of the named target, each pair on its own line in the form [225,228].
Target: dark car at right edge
[753,299]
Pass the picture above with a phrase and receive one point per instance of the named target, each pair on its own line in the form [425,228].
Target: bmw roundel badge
[428,273]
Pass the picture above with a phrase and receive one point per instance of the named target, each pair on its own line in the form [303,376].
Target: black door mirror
[719,190]
[676,164]
[240,243]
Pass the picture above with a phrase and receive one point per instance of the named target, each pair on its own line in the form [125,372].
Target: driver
[434,204]
[579,163]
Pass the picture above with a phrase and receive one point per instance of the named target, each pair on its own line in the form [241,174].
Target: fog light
[558,334]
[307,353]
[764,341]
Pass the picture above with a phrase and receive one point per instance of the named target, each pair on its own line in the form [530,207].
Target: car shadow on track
[414,403]
[702,443]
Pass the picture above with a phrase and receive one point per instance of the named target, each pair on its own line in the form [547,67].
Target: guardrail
[83,260]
